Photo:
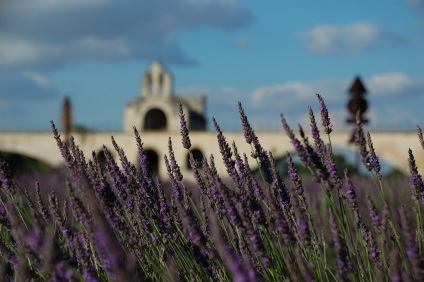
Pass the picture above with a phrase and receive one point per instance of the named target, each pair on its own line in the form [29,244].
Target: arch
[21,164]
[155,119]
[197,156]
[101,157]
[152,161]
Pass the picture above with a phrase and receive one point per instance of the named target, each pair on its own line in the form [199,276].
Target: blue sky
[273,56]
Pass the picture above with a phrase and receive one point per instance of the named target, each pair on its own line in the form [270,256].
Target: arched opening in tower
[155,120]
[152,161]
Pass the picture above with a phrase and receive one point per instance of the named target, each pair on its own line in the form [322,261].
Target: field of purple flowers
[119,222]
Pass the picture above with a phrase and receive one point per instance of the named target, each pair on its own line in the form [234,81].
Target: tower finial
[157,81]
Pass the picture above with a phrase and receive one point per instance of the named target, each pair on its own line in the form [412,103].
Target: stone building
[157,107]
[155,114]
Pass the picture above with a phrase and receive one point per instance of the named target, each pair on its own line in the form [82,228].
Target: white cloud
[38,78]
[63,4]
[297,91]
[287,94]
[52,33]
[390,117]
[93,46]
[18,52]
[332,39]
[389,83]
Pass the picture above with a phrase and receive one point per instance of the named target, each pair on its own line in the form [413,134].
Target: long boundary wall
[391,147]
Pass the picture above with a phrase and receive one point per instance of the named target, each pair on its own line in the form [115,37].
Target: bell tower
[157,107]
[157,82]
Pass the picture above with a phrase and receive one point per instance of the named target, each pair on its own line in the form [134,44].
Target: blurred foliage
[20,164]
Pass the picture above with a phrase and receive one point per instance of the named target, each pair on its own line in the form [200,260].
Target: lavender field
[109,221]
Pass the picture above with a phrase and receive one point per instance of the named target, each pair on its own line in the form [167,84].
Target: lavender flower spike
[373,158]
[6,175]
[183,127]
[324,116]
[319,144]
[361,142]
[415,179]
[247,129]
[345,266]
[420,136]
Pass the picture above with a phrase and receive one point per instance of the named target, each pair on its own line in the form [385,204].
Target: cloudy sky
[273,56]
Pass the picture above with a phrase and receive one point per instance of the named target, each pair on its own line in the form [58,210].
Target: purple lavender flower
[258,190]
[319,144]
[329,162]
[4,220]
[119,179]
[258,245]
[196,174]
[226,153]
[62,272]
[230,201]
[193,227]
[43,209]
[292,171]
[324,116]
[361,143]
[345,266]
[175,168]
[260,153]
[373,248]
[282,224]
[145,169]
[279,189]
[312,157]
[6,178]
[241,168]
[298,147]
[415,179]
[374,215]
[264,161]
[183,128]
[247,129]
[412,248]
[351,196]
[118,263]
[36,239]
[395,271]
[375,164]
[420,136]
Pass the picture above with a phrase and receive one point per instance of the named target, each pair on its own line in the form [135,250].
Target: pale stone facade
[157,107]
